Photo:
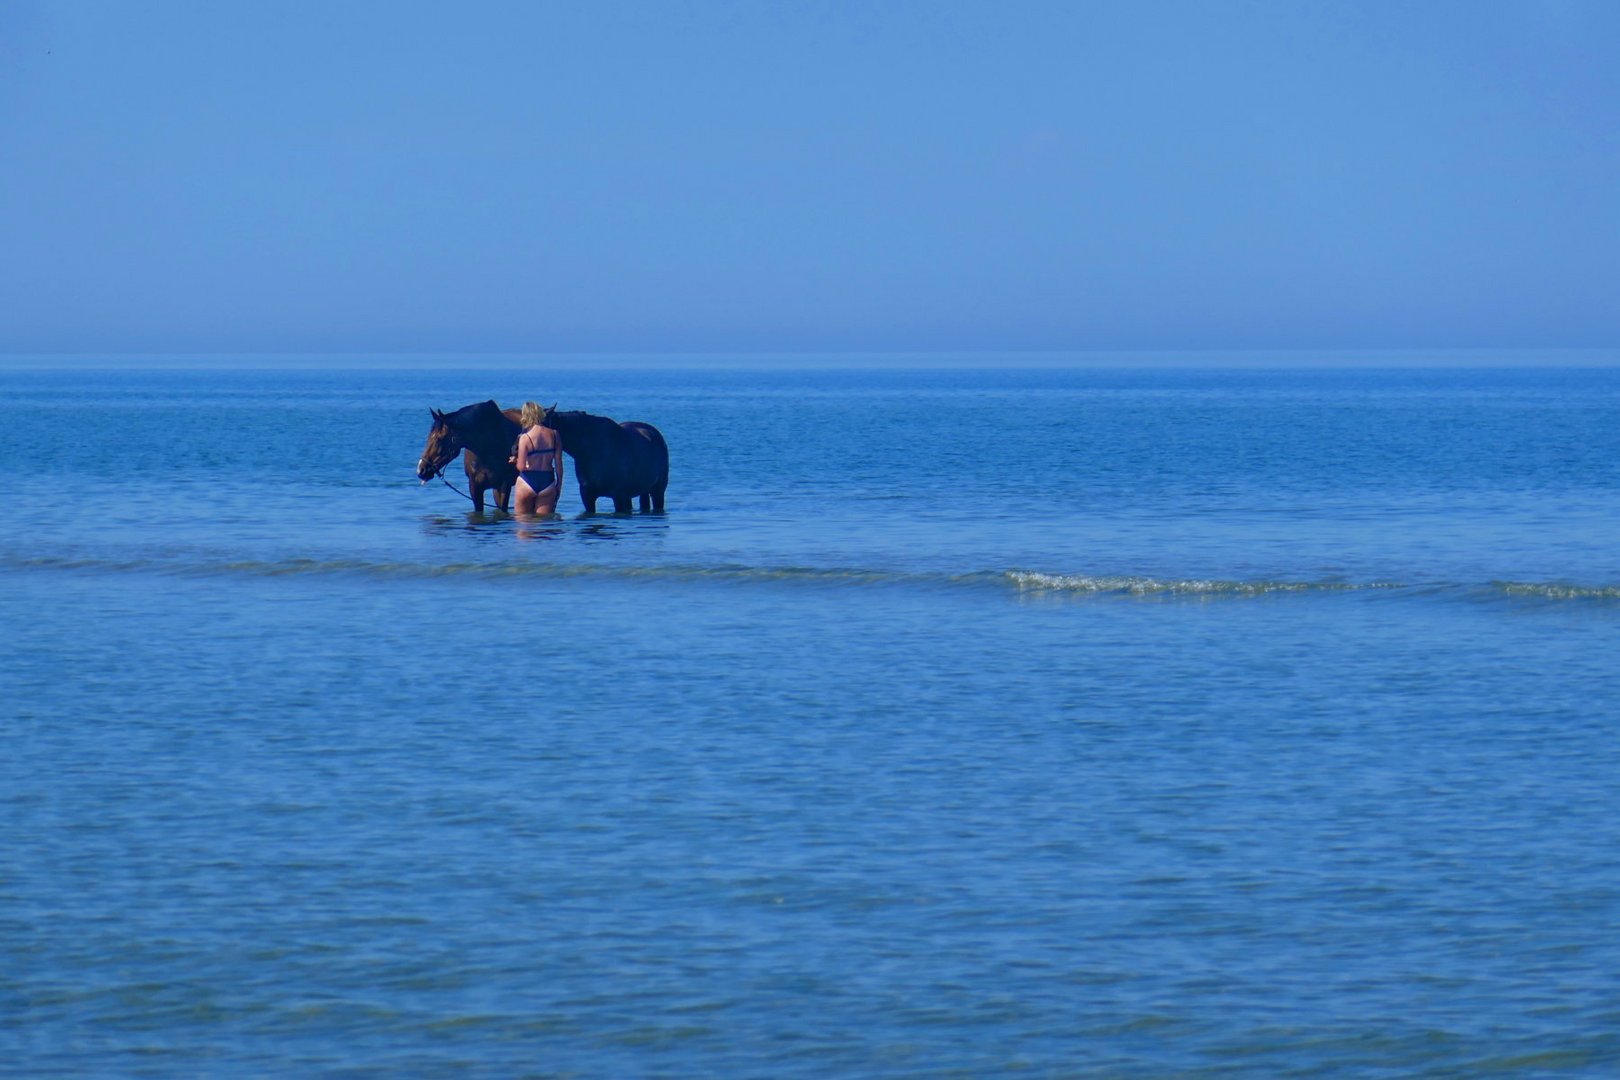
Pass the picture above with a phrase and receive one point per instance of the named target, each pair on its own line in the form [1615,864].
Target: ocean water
[955,722]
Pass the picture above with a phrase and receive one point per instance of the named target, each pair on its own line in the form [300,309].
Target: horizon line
[1386,356]
[1011,351]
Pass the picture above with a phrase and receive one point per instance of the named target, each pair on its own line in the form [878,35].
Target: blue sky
[493,177]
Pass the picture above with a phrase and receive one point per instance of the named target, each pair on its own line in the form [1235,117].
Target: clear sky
[384,176]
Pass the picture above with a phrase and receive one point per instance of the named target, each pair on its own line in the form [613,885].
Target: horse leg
[622,504]
[503,498]
[588,497]
[475,484]
[646,504]
[657,500]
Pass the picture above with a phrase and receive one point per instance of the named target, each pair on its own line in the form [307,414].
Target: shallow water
[950,723]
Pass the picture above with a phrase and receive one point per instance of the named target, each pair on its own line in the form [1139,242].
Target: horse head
[443,444]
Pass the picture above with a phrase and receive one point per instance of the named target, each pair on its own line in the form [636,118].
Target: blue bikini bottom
[539,482]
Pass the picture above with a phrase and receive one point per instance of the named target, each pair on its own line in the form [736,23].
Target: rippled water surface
[956,722]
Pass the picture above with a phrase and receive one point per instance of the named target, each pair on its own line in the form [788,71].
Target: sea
[967,719]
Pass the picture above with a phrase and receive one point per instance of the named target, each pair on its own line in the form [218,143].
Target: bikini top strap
[535,449]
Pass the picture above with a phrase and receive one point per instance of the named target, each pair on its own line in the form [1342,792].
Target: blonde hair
[532,414]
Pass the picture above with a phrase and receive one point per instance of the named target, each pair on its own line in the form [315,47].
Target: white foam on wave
[1130,585]
[1557,591]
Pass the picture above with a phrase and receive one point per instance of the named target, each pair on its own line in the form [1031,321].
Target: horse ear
[437,415]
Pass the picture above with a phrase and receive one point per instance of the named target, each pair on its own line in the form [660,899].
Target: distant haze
[500,177]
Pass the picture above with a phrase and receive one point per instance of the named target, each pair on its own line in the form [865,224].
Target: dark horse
[614,461]
[486,432]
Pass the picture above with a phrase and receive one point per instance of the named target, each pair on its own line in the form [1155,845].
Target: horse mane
[576,416]
[484,428]
[470,414]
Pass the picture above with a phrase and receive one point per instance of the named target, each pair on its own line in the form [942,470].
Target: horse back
[652,451]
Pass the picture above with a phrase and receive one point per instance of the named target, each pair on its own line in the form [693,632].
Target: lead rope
[463,494]
[457,490]
[440,474]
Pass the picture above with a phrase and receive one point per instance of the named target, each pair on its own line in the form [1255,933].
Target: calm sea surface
[950,723]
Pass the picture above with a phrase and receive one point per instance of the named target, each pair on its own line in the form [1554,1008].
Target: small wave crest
[1127,585]
[1556,591]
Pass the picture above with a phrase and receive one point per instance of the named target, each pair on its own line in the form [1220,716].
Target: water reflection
[486,527]
[610,527]
[494,527]
[531,527]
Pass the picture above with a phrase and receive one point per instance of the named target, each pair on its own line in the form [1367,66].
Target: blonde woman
[539,464]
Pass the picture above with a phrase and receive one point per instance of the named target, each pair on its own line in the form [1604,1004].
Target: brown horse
[484,434]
